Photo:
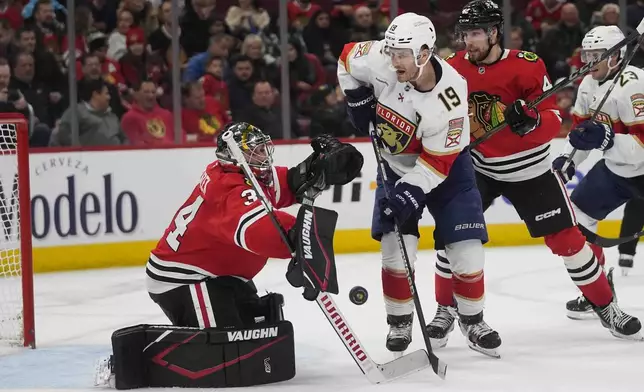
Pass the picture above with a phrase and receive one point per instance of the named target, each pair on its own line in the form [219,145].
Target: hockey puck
[358,295]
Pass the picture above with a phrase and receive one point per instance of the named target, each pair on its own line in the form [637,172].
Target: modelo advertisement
[131,195]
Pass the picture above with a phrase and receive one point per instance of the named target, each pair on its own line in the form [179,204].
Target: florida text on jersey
[439,115]
[516,75]
[623,111]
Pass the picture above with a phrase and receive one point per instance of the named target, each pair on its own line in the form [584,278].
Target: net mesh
[11,312]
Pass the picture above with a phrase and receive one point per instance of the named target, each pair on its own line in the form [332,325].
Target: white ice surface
[527,288]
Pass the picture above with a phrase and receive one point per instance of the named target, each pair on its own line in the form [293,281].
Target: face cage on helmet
[258,152]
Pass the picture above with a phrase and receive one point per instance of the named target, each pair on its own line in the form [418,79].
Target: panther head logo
[391,138]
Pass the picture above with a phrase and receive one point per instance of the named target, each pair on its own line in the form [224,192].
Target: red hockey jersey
[516,75]
[221,230]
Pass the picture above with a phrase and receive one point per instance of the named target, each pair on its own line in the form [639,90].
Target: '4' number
[451,95]
[181,222]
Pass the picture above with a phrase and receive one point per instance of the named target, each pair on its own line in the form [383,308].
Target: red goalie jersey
[507,156]
[221,230]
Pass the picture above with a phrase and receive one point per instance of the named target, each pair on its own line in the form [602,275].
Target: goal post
[17,324]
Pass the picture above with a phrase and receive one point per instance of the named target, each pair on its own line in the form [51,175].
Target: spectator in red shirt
[146,123]
[541,12]
[10,11]
[133,62]
[300,12]
[202,116]
[213,83]
[117,42]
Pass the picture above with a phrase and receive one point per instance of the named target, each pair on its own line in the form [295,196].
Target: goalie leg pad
[165,356]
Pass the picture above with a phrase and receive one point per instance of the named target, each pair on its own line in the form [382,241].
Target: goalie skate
[104,376]
[441,326]
[480,337]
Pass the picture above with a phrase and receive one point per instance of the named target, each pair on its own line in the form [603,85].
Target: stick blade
[400,367]
[640,27]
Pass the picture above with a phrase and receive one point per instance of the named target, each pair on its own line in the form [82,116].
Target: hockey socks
[467,289]
[586,272]
[443,281]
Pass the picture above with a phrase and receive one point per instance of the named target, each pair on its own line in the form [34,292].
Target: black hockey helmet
[480,14]
[256,146]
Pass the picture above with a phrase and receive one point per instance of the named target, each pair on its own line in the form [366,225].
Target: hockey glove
[361,107]
[591,135]
[557,167]
[341,162]
[306,179]
[407,201]
[521,119]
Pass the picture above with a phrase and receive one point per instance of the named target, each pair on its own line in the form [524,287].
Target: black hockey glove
[361,106]
[341,162]
[558,167]
[332,163]
[521,119]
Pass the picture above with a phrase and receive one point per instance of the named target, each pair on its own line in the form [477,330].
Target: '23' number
[187,214]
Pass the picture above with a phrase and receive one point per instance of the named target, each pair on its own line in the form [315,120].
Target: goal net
[16,280]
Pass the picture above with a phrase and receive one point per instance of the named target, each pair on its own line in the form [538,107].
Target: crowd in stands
[230,61]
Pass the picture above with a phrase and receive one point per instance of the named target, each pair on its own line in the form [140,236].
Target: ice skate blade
[587,315]
[492,353]
[438,343]
[637,337]
[397,354]
[625,271]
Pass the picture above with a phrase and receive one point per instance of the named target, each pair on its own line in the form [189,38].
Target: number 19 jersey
[222,229]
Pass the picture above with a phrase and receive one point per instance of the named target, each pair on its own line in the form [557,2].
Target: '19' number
[451,95]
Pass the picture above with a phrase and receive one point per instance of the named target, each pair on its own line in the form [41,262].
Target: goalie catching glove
[331,163]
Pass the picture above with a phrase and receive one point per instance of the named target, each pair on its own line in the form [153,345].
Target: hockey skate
[399,335]
[104,376]
[580,309]
[620,324]
[441,326]
[480,337]
[625,263]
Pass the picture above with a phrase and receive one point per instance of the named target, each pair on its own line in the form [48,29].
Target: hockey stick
[439,367]
[627,60]
[559,86]
[604,242]
[375,373]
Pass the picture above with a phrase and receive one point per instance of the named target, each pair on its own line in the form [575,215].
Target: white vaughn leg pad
[398,300]
[467,259]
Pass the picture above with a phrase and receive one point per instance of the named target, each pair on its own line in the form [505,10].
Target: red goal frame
[24,210]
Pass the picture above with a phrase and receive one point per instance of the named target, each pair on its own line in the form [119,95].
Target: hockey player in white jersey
[418,104]
[618,132]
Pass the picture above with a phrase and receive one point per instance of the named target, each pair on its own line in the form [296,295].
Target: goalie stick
[439,367]
[375,373]
[558,86]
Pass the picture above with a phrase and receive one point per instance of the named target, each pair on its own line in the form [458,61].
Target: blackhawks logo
[156,128]
[486,112]
[208,124]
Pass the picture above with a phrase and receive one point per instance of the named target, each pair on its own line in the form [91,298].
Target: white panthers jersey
[624,112]
[422,132]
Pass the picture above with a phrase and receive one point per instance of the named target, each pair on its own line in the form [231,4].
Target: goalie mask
[256,146]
